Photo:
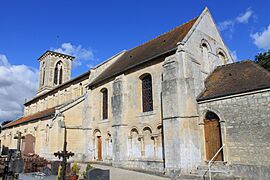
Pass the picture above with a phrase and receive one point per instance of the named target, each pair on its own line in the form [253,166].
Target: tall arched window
[222,57]
[206,64]
[61,75]
[205,56]
[147,96]
[58,73]
[55,74]
[43,73]
[104,103]
[81,89]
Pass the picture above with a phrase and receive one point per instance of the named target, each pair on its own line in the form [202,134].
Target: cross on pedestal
[65,155]
[19,137]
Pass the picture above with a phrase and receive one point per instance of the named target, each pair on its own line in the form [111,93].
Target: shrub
[88,167]
[75,168]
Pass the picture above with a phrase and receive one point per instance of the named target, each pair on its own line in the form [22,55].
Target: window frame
[147,92]
[104,104]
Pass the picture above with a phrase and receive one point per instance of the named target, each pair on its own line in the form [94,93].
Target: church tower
[54,69]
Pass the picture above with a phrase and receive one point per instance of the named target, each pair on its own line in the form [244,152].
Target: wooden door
[99,148]
[28,144]
[213,139]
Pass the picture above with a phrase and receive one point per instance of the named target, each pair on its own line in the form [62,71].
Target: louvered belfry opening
[147,96]
[61,75]
[55,74]
[58,73]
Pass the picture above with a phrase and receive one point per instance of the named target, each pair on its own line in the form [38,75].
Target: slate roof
[235,78]
[156,47]
[36,116]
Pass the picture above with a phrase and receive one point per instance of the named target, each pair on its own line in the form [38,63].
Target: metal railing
[210,162]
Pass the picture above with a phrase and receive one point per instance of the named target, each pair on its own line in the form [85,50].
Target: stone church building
[168,105]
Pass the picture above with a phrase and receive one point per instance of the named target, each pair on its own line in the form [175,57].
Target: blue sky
[96,30]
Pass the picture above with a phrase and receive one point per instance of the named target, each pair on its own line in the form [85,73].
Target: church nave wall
[57,98]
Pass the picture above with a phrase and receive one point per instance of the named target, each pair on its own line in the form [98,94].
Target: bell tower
[54,69]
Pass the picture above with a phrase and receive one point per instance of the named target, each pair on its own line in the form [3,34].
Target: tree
[5,122]
[263,59]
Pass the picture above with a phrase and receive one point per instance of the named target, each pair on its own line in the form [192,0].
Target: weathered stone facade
[167,138]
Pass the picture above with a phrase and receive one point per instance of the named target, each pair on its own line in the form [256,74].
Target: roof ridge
[238,62]
[156,47]
[163,34]
[235,78]
[262,68]
[31,117]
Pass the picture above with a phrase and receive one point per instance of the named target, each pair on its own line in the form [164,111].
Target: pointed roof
[154,48]
[57,54]
[235,78]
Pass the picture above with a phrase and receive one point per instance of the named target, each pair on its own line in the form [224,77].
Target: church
[169,105]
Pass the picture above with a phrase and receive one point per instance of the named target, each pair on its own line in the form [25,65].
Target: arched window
[104,103]
[147,96]
[205,56]
[222,57]
[61,75]
[55,75]
[43,73]
[81,89]
[58,73]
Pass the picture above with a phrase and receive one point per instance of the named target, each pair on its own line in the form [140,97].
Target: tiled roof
[235,78]
[36,116]
[146,52]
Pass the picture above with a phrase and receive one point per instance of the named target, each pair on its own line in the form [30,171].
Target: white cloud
[81,54]
[262,39]
[228,24]
[244,17]
[4,60]
[17,82]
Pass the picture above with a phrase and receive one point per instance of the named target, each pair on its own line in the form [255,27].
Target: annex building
[168,105]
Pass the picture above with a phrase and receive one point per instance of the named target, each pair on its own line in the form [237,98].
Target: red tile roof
[30,118]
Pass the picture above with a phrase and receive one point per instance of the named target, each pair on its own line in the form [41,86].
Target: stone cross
[65,155]
[19,137]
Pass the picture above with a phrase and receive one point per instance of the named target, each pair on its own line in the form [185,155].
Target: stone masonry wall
[247,124]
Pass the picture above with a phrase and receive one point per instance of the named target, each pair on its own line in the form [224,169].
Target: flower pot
[73,177]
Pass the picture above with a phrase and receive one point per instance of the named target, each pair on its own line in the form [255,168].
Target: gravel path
[122,174]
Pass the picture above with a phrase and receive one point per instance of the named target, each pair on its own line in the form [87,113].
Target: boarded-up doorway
[28,144]
[213,141]
[99,148]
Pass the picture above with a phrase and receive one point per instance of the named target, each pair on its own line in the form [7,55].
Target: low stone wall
[251,171]
[150,166]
